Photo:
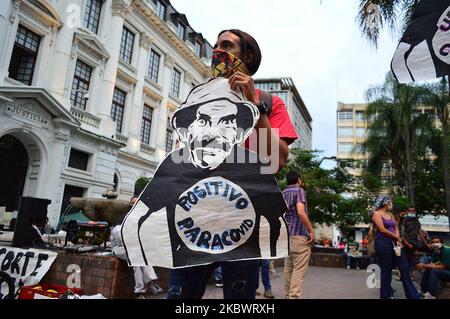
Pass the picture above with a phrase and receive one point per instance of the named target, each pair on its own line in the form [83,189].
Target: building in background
[300,116]
[351,126]
[87,88]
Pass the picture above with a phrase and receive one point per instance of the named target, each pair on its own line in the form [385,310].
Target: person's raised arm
[271,140]
[246,84]
[434,266]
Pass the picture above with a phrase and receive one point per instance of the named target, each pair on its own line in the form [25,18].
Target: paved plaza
[322,283]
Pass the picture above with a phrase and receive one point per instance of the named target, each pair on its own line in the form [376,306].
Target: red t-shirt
[279,119]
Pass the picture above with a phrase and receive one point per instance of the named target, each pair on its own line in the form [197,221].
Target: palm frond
[374,15]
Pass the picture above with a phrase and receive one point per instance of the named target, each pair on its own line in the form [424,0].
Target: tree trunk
[409,173]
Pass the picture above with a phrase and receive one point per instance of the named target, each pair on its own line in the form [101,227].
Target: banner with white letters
[26,266]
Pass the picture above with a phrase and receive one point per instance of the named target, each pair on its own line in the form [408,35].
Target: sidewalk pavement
[320,283]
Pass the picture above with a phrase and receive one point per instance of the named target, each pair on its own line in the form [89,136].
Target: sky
[317,43]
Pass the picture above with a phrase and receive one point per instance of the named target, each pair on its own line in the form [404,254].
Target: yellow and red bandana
[224,64]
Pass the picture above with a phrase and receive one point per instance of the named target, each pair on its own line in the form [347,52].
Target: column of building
[63,59]
[169,63]
[120,10]
[136,112]
[8,27]
[55,185]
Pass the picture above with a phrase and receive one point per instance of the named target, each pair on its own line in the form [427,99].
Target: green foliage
[405,137]
[327,190]
[140,185]
[374,15]
[400,203]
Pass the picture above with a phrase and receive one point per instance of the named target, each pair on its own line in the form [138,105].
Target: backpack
[410,230]
[371,251]
[267,99]
[444,257]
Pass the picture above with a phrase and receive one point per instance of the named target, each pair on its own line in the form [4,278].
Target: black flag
[424,50]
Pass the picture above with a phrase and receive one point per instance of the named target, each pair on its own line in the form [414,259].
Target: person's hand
[244,82]
[409,246]
[420,266]
[311,238]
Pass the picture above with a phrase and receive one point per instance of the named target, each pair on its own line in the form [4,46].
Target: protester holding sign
[209,201]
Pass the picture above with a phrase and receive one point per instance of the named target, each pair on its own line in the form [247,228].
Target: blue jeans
[265,274]
[437,275]
[240,280]
[218,274]
[387,259]
[349,261]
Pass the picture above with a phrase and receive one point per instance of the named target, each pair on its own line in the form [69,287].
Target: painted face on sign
[213,134]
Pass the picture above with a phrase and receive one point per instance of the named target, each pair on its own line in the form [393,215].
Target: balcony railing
[85,117]
[147,148]
[121,138]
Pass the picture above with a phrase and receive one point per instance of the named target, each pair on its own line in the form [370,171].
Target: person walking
[265,276]
[218,277]
[389,250]
[301,236]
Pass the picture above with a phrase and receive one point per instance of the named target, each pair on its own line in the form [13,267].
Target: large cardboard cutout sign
[424,50]
[208,200]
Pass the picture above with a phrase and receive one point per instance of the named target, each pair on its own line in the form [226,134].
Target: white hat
[214,90]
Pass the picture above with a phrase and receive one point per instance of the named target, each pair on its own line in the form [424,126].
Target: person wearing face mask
[389,250]
[237,56]
[412,235]
[434,267]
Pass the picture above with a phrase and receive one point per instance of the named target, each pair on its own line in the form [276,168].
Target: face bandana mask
[224,64]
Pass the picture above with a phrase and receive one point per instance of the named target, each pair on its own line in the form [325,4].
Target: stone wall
[106,275]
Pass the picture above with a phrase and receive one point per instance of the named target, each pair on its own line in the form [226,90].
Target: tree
[140,184]
[374,15]
[327,191]
[439,98]
[395,122]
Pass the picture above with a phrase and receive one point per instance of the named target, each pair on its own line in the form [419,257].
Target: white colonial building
[87,88]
